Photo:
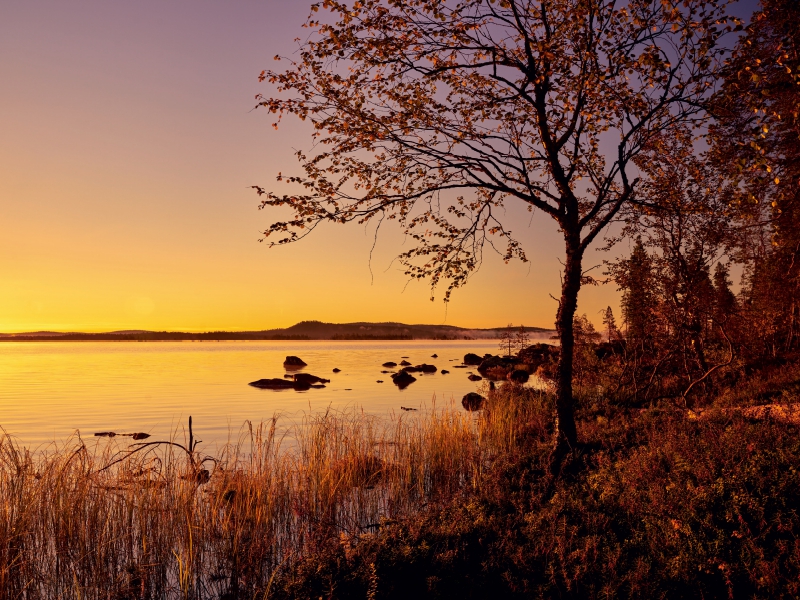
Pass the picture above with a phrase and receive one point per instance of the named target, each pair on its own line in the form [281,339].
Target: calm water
[48,390]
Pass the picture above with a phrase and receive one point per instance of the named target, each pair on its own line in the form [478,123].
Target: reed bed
[120,520]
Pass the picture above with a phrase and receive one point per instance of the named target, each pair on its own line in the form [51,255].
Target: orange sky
[128,148]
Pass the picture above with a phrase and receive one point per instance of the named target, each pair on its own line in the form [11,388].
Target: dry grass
[104,522]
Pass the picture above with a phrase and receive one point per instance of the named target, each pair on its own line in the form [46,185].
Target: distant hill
[305,330]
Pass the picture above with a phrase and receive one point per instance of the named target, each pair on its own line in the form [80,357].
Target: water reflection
[50,389]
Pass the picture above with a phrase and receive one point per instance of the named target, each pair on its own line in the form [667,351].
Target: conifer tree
[724,298]
[611,324]
[639,301]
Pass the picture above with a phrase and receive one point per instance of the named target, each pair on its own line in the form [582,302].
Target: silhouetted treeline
[358,336]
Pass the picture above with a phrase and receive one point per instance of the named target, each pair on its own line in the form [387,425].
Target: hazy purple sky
[128,147]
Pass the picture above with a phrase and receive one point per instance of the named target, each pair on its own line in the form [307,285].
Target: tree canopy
[437,114]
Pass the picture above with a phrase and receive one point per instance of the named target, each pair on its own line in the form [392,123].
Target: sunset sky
[129,146]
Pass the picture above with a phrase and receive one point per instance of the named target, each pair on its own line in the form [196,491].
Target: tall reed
[97,520]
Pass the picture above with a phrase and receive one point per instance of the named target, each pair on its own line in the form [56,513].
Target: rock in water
[294,361]
[389,364]
[473,377]
[309,378]
[472,359]
[434,356]
[445,371]
[280,384]
[272,384]
[518,376]
[405,363]
[472,401]
[337,370]
[403,379]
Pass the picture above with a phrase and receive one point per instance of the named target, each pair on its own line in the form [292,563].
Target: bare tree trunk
[565,435]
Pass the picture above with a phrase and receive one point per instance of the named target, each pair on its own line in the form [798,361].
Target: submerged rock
[472,401]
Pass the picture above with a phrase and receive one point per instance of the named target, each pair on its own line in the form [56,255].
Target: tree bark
[565,435]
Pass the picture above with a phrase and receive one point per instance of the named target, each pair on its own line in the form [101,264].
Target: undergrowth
[437,505]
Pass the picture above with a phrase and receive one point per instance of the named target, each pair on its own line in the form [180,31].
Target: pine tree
[639,300]
[611,324]
[724,299]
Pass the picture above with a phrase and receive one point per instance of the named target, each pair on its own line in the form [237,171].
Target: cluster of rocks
[404,378]
[540,359]
[298,381]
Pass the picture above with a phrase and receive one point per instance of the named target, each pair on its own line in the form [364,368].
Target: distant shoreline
[303,331]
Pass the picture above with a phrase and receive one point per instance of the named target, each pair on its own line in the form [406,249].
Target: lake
[50,390]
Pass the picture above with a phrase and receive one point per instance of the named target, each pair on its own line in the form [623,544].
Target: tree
[724,298]
[636,280]
[612,333]
[507,340]
[521,339]
[755,140]
[436,114]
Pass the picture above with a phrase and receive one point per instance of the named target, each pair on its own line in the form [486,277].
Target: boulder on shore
[294,361]
[472,359]
[492,362]
[518,376]
[472,401]
[403,379]
[539,355]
